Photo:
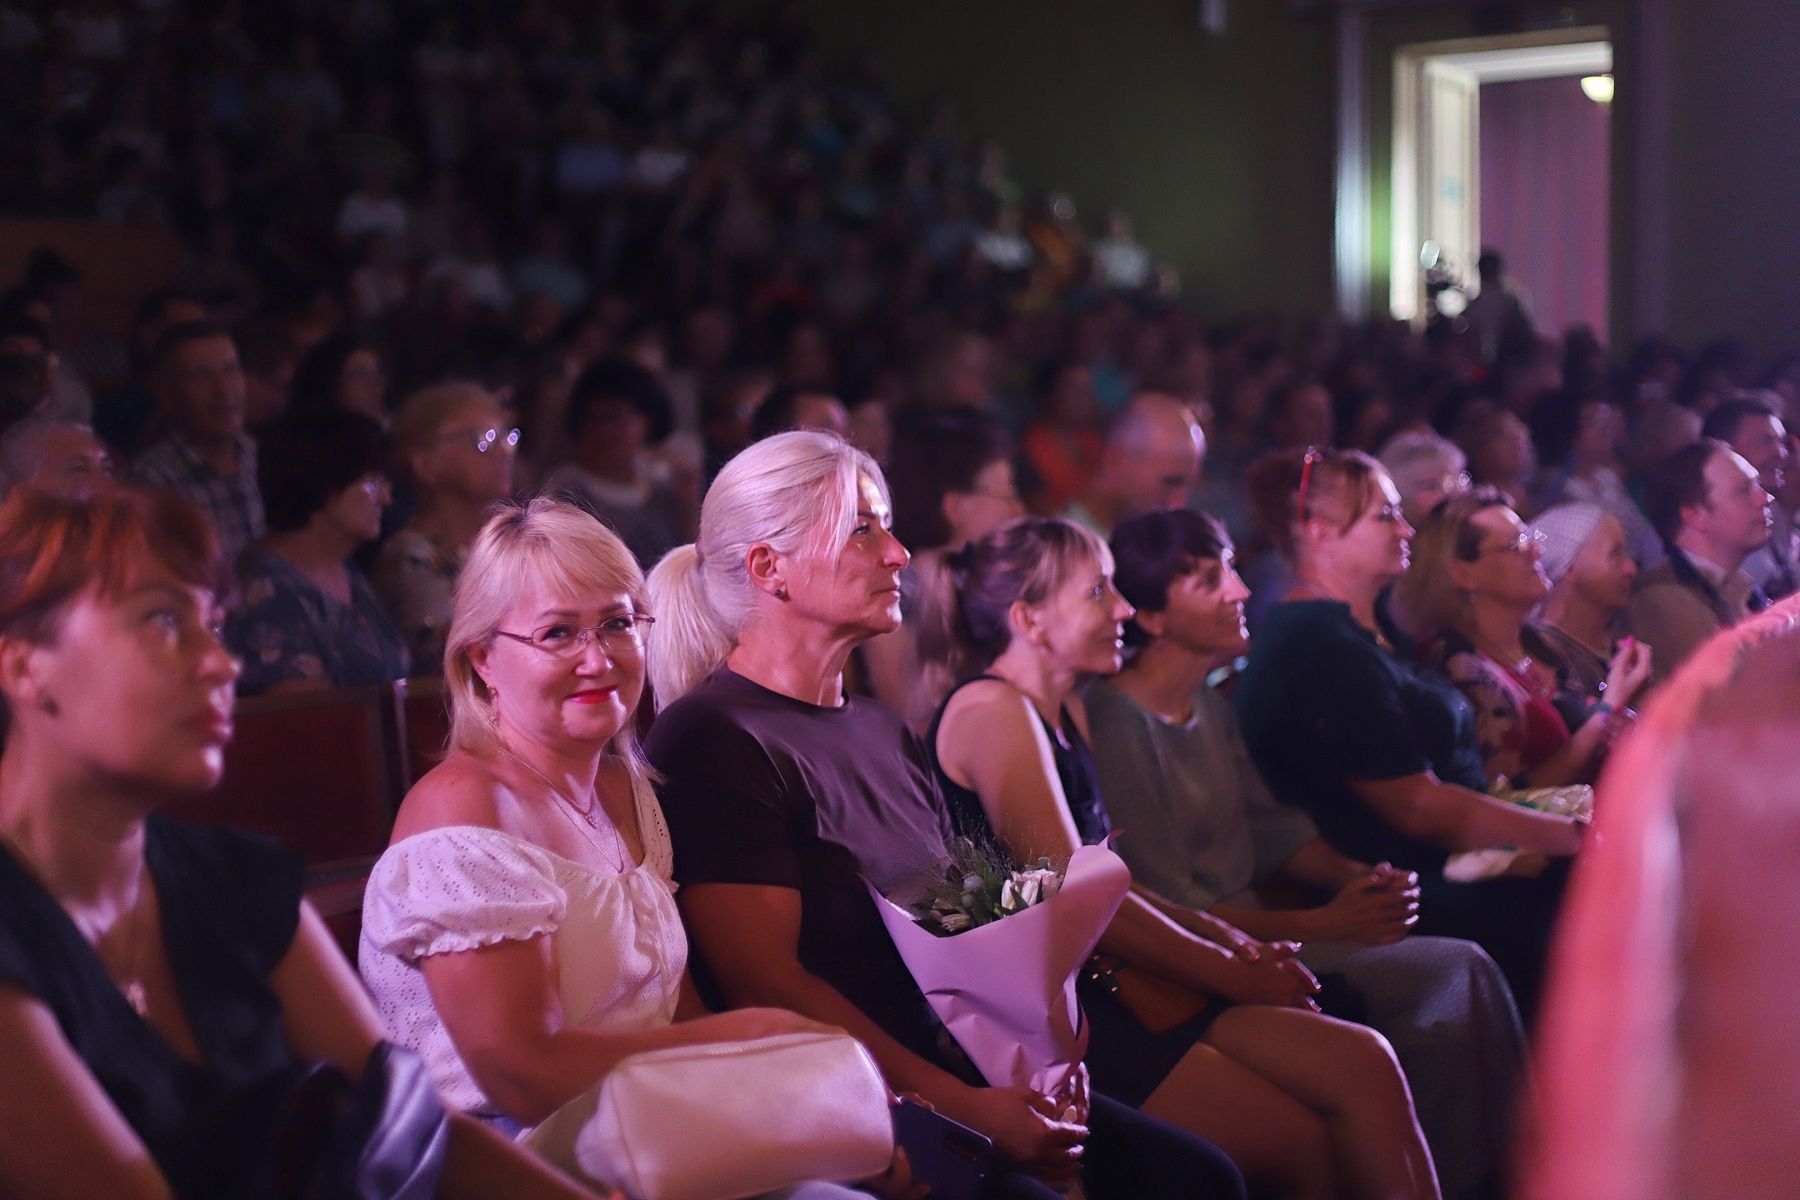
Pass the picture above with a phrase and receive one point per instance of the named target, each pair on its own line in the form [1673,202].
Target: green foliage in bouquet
[977,887]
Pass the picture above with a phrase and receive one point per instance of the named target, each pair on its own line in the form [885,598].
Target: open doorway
[1504,142]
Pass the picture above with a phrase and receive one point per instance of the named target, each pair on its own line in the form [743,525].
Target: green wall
[1221,147]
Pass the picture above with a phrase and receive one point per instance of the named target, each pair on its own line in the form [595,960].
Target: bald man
[1151,458]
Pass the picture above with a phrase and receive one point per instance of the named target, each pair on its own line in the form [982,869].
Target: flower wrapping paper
[1006,990]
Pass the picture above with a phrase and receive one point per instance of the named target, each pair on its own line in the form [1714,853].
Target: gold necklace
[590,816]
[131,987]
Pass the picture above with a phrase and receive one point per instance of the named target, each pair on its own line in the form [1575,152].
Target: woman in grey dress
[1198,826]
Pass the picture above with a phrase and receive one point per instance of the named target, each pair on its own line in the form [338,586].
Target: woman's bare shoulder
[464,789]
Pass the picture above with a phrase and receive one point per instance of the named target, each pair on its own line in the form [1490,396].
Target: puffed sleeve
[460,888]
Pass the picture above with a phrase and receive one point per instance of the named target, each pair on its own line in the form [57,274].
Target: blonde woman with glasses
[1476,577]
[520,932]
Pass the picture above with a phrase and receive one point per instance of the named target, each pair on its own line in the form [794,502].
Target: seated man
[205,457]
[1751,424]
[1152,456]
[1712,511]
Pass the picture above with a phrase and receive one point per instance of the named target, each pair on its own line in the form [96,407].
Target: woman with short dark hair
[1202,831]
[307,618]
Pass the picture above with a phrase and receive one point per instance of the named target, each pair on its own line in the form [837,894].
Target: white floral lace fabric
[618,943]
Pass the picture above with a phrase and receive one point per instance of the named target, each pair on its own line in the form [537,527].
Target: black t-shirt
[760,788]
[1320,704]
[230,904]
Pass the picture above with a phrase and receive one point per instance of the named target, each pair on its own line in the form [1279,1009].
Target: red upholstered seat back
[318,771]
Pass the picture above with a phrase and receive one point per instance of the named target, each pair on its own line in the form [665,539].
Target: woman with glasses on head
[307,618]
[1379,751]
[162,984]
[1476,577]
[520,932]
[459,447]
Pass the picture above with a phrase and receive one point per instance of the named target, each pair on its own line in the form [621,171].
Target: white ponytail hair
[795,492]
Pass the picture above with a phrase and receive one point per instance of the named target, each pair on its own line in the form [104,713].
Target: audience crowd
[912,503]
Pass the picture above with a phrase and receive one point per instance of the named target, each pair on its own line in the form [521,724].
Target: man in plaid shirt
[204,455]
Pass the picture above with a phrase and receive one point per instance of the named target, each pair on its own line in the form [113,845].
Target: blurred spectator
[1751,425]
[458,447]
[799,406]
[1150,459]
[1425,468]
[307,618]
[122,418]
[52,453]
[1063,445]
[204,456]
[1499,313]
[1120,260]
[1712,512]
[1580,442]
[1500,453]
[341,373]
[617,414]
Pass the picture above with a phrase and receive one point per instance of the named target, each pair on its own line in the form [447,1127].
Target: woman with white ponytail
[783,795]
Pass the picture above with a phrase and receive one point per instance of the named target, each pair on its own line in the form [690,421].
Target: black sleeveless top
[230,905]
[1075,770]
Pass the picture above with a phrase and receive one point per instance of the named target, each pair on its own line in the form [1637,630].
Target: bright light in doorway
[1598,88]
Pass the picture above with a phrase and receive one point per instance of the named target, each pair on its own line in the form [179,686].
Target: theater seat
[425,725]
[336,890]
[318,771]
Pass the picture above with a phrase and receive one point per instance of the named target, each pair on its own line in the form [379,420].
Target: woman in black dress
[1380,752]
[159,983]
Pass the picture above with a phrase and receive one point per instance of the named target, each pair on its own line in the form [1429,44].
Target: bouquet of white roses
[974,889]
[995,950]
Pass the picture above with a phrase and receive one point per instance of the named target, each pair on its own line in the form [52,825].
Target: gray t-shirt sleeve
[1173,799]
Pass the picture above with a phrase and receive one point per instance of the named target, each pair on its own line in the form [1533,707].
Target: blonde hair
[1427,603]
[794,492]
[546,543]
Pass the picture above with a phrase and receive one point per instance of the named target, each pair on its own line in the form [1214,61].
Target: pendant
[134,996]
